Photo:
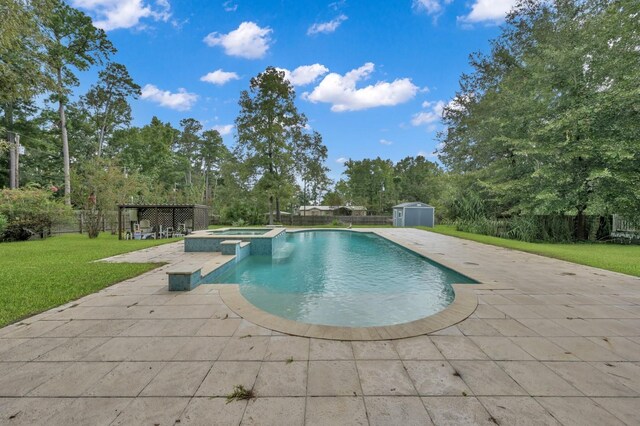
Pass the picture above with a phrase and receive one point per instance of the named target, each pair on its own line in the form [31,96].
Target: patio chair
[146,231]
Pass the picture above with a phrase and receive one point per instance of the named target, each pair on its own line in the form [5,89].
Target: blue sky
[374,75]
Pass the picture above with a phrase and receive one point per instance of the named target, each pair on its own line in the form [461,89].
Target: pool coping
[207,233]
[463,305]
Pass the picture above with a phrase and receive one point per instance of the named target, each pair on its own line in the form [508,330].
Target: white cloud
[431,116]
[229,6]
[114,14]
[342,160]
[341,91]
[219,77]
[431,7]
[223,129]
[336,5]
[458,103]
[385,142]
[304,74]
[492,11]
[247,41]
[425,154]
[181,101]
[327,27]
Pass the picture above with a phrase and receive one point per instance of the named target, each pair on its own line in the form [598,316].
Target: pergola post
[157,222]
[119,222]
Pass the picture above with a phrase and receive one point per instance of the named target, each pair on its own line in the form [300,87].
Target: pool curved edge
[464,304]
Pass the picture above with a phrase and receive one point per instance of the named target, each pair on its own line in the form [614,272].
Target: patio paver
[551,343]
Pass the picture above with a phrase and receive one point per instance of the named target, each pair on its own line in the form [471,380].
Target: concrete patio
[558,343]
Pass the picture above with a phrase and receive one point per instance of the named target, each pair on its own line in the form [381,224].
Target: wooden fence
[346,220]
[624,228]
[76,223]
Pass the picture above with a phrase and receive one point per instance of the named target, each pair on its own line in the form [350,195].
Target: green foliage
[310,155]
[22,75]
[547,122]
[107,102]
[71,44]
[613,257]
[100,185]
[529,228]
[379,184]
[3,223]
[41,274]
[270,132]
[243,212]
[238,223]
[30,211]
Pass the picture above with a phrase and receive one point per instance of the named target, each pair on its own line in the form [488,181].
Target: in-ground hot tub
[240,231]
[264,241]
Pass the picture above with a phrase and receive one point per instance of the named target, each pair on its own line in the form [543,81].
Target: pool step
[188,275]
[212,265]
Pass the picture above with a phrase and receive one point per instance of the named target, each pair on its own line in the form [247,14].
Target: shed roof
[326,208]
[412,204]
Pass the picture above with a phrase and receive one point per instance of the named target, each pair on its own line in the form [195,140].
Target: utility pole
[14,159]
[17,165]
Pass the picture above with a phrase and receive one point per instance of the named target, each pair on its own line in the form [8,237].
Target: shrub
[529,228]
[3,223]
[238,223]
[29,211]
[239,210]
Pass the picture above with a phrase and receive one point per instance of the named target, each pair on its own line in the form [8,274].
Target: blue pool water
[346,279]
[241,231]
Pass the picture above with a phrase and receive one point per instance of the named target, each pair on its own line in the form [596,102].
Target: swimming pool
[344,278]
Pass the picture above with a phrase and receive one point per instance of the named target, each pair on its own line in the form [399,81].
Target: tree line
[541,141]
[83,148]
[546,124]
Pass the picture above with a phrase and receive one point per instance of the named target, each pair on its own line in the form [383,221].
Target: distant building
[332,211]
[413,214]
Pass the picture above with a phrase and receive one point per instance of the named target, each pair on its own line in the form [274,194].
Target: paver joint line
[517,349]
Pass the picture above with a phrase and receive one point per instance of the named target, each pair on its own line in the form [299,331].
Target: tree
[148,150]
[370,183]
[212,153]
[269,126]
[101,184]
[21,55]
[71,43]
[546,121]
[108,101]
[21,71]
[310,156]
[417,179]
[188,145]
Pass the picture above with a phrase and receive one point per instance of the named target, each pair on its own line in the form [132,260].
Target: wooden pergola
[190,217]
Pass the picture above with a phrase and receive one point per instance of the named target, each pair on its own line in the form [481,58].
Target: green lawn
[614,257]
[38,275]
